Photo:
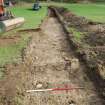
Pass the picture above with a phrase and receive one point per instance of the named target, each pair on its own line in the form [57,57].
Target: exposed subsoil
[48,62]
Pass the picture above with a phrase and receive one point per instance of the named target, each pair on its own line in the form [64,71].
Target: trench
[50,63]
[53,56]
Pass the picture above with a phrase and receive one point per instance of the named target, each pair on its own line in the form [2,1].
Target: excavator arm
[2,9]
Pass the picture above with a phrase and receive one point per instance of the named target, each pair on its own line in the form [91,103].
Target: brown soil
[93,40]
[29,30]
[5,41]
[49,61]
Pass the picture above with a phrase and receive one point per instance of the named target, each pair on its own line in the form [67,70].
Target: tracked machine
[7,20]
[36,5]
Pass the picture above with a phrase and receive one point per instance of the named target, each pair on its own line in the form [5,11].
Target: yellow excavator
[7,20]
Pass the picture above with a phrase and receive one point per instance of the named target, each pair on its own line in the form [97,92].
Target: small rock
[36,58]
[74,64]
[39,86]
[66,58]
[72,103]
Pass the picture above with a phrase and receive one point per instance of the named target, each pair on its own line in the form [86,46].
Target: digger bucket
[10,24]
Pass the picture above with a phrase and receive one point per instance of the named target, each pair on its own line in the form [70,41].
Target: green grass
[32,18]
[95,12]
[12,53]
[77,34]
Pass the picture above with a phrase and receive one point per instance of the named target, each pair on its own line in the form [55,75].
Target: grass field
[12,53]
[32,18]
[95,12]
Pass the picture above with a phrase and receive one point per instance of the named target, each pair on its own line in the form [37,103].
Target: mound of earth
[93,40]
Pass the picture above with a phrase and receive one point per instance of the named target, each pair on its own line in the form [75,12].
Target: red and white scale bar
[54,89]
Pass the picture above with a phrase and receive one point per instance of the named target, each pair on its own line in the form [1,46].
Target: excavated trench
[49,62]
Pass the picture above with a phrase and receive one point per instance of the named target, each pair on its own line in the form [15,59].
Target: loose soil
[49,61]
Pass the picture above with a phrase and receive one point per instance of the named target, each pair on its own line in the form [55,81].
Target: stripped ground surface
[5,41]
[48,62]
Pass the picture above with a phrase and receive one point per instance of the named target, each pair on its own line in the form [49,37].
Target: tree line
[76,1]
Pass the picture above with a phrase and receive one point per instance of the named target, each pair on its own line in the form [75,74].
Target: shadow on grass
[30,9]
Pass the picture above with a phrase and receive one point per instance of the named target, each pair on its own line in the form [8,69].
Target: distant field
[32,18]
[95,12]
